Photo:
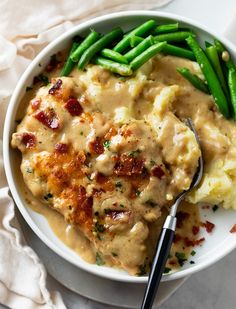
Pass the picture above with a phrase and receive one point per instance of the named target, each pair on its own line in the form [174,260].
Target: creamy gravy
[76,240]
[150,106]
[67,233]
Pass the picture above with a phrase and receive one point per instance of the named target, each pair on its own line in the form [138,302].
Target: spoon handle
[159,261]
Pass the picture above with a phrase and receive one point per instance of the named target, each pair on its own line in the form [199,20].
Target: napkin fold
[26,27]
[229,31]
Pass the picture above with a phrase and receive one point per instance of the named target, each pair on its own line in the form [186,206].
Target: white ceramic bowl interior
[217,244]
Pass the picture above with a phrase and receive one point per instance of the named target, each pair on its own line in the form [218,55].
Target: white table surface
[215,287]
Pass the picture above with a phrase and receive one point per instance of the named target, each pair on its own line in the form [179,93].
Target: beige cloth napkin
[27,26]
[229,31]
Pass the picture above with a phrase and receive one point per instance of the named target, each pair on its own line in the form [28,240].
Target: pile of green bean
[123,53]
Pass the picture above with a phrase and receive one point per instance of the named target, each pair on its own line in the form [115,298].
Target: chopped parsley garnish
[192,262]
[89,178]
[114,254]
[48,196]
[41,78]
[181,257]
[118,184]
[99,237]
[99,227]
[81,133]
[167,270]
[150,203]
[99,260]
[29,170]
[137,193]
[142,270]
[215,208]
[121,205]
[107,144]
[152,162]
[134,153]
[122,78]
[28,88]
[193,253]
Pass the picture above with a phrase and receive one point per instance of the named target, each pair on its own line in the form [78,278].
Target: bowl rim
[7,131]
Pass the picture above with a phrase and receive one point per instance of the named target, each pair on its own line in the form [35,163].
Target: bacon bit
[157,171]
[181,217]
[73,106]
[199,241]
[35,103]
[195,230]
[177,238]
[191,242]
[29,140]
[128,166]
[96,146]
[49,119]
[188,242]
[208,226]
[61,148]
[233,229]
[55,87]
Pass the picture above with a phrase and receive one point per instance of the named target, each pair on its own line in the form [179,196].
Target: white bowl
[217,244]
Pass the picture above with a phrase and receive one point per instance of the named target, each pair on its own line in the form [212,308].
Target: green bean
[139,31]
[98,46]
[119,68]
[232,88]
[113,55]
[178,51]
[68,66]
[212,55]
[193,79]
[221,50]
[146,55]
[167,49]
[208,44]
[135,40]
[130,55]
[210,75]
[88,41]
[167,28]
[173,37]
